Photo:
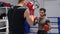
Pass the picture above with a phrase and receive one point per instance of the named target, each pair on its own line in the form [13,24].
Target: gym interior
[52,12]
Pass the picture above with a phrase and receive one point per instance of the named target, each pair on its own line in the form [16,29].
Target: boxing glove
[30,5]
[35,18]
[46,27]
[7,4]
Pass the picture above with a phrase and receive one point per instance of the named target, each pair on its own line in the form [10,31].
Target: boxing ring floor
[54,23]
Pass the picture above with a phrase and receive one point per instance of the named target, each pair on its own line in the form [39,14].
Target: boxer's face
[42,13]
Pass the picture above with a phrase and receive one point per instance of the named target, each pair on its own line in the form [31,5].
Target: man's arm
[47,22]
[47,27]
[29,18]
[36,21]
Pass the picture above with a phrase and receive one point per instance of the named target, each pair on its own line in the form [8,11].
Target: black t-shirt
[16,19]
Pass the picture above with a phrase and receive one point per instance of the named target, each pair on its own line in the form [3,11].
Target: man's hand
[30,5]
[47,27]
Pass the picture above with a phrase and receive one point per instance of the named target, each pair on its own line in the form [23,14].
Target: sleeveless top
[42,22]
[16,19]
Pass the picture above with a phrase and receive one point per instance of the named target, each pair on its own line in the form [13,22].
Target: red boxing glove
[7,4]
[35,18]
[46,27]
[32,12]
[30,5]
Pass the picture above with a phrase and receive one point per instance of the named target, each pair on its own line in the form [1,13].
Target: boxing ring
[4,25]
[54,23]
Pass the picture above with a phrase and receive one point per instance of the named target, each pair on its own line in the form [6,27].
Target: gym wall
[13,2]
[52,6]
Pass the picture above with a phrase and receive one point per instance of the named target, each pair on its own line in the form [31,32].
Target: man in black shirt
[17,16]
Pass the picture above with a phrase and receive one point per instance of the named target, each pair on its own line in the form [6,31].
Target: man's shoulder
[47,20]
[38,18]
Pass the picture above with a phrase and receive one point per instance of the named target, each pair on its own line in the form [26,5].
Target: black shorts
[41,32]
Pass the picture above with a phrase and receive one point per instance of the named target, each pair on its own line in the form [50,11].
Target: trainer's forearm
[30,20]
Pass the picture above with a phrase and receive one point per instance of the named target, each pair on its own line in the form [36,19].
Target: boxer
[43,22]
[17,16]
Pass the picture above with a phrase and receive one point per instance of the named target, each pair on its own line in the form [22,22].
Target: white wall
[14,2]
[52,7]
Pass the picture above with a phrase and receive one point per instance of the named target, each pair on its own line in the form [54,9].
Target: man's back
[16,19]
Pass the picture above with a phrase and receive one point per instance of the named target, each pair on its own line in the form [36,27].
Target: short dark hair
[43,9]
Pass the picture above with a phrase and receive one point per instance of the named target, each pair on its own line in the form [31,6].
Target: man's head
[22,1]
[42,12]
